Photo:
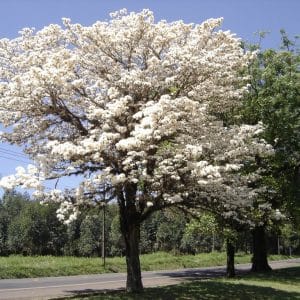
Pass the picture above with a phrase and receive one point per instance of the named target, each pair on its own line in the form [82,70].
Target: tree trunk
[130,228]
[134,277]
[259,259]
[230,250]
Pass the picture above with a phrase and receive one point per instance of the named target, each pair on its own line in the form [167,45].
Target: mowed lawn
[44,266]
[276,285]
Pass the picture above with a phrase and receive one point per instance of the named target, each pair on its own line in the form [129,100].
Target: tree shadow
[197,289]
[289,275]
[218,290]
[192,274]
[205,287]
[93,294]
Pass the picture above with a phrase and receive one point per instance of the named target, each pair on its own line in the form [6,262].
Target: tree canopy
[274,99]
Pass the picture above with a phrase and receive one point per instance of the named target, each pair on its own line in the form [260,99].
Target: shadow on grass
[216,290]
[192,274]
[195,290]
[210,289]
[285,276]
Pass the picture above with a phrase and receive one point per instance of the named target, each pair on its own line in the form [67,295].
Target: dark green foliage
[13,203]
[170,231]
[90,236]
[149,231]
[73,234]
[4,219]
[17,235]
[200,235]
[274,99]
[54,230]
[289,239]
[29,228]
[117,241]
[36,231]
[90,240]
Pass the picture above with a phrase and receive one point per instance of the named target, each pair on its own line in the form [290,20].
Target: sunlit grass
[16,266]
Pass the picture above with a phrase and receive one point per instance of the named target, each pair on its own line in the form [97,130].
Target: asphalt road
[55,287]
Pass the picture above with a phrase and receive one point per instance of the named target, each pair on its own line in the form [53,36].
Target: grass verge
[44,266]
[275,285]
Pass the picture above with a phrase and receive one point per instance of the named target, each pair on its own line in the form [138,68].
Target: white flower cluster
[31,179]
[67,212]
[126,102]
[278,215]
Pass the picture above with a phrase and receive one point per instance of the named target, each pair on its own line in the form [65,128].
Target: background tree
[73,235]
[288,238]
[12,204]
[149,232]
[4,221]
[200,235]
[170,231]
[117,241]
[274,99]
[90,236]
[35,230]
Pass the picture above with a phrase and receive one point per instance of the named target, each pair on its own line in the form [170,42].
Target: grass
[275,285]
[43,266]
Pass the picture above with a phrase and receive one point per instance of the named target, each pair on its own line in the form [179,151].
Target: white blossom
[127,104]
[278,215]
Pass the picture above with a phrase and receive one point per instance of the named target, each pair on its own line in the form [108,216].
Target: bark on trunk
[259,259]
[134,278]
[130,228]
[230,251]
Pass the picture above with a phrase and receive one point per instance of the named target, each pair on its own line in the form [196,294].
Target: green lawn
[276,285]
[41,266]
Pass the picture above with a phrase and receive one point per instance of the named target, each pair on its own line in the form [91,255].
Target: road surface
[55,287]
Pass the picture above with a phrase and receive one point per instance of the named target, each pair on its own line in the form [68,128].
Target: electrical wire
[12,151]
[7,152]
[15,159]
[4,152]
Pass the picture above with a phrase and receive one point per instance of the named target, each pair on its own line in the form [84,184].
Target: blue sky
[244,17]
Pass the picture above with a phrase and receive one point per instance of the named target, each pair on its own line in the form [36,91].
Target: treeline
[29,228]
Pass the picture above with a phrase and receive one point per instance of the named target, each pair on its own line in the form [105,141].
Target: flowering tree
[129,105]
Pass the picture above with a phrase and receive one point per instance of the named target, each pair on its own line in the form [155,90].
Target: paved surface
[55,287]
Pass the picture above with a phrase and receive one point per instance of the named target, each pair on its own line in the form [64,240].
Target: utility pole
[103,236]
[213,242]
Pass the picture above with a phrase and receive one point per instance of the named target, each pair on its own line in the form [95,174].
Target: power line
[15,159]
[12,151]
[7,152]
